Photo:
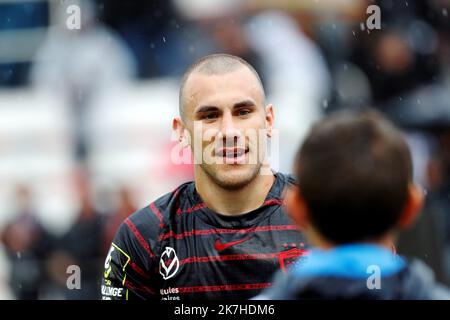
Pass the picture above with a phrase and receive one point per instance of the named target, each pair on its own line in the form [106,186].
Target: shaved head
[214,64]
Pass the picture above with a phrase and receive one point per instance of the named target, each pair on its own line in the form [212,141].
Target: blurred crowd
[314,57]
[40,260]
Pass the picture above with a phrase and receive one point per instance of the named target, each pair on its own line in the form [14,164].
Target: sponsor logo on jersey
[224,245]
[108,291]
[169,294]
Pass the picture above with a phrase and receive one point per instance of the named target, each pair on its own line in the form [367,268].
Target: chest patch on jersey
[168,263]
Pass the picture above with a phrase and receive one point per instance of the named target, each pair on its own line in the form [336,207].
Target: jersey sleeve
[129,270]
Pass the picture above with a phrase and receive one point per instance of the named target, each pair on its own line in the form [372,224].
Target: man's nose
[228,130]
[227,124]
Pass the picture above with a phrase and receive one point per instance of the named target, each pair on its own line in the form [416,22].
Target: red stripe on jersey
[229,257]
[134,286]
[272,202]
[191,209]
[200,232]
[158,214]
[141,240]
[225,287]
[199,206]
[136,268]
[176,192]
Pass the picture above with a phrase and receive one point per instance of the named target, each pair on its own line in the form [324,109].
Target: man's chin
[233,177]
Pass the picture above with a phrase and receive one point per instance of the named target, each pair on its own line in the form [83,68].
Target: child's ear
[296,207]
[412,206]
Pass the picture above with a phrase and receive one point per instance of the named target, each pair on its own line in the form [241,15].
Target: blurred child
[355,192]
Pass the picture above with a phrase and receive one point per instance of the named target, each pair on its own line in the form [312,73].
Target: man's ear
[412,206]
[296,207]
[270,119]
[180,130]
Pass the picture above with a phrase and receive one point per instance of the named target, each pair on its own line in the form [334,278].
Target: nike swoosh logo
[222,246]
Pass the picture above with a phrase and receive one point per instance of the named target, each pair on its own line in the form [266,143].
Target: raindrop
[164,39]
[19,255]
[444,12]
[362,26]
[325,103]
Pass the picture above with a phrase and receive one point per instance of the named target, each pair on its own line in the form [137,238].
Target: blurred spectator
[125,207]
[81,245]
[398,60]
[425,241]
[81,65]
[27,245]
[439,177]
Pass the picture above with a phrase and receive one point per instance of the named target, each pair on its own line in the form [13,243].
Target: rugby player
[223,235]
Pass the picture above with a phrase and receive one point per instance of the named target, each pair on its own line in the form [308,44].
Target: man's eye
[243,112]
[210,116]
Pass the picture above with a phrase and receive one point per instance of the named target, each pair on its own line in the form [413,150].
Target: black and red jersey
[176,249]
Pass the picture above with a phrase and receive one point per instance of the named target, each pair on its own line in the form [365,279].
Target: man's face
[226,113]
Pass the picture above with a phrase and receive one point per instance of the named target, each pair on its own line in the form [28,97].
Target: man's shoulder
[160,210]
[289,178]
[283,181]
[148,221]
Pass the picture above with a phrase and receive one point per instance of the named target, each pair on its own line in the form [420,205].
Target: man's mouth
[233,155]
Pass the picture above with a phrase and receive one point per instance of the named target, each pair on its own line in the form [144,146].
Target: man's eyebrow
[203,109]
[241,104]
[245,103]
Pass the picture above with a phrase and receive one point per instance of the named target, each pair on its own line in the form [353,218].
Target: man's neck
[234,202]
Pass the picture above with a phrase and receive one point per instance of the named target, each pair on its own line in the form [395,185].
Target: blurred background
[85,114]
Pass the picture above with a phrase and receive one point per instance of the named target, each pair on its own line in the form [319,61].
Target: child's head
[355,180]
